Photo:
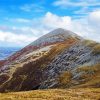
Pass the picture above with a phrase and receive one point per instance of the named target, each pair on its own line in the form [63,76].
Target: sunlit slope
[54,94]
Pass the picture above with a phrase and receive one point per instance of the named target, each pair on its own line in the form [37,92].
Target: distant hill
[7,51]
[59,59]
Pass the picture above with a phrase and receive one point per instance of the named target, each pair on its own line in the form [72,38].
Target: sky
[23,21]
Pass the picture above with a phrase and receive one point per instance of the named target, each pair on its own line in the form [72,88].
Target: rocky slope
[59,59]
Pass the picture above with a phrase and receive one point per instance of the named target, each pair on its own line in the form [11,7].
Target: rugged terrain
[59,59]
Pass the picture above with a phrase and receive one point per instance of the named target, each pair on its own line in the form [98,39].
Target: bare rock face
[69,60]
[59,59]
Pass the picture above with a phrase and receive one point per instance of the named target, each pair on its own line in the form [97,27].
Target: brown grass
[64,78]
[54,94]
[94,68]
[91,76]
[89,43]
[96,49]
[94,45]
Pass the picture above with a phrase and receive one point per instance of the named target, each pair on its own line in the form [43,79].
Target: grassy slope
[54,94]
[91,75]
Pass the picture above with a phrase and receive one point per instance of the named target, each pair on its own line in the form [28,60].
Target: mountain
[7,51]
[59,59]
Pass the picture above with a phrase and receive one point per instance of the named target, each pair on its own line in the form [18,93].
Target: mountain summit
[59,59]
[57,35]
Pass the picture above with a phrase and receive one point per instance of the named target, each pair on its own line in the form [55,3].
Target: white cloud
[88,27]
[20,20]
[17,20]
[53,21]
[80,3]
[32,7]
[94,18]
[18,40]
[84,6]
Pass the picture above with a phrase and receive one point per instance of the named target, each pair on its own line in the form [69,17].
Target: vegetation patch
[96,49]
[64,79]
[94,45]
[3,78]
[89,43]
[91,75]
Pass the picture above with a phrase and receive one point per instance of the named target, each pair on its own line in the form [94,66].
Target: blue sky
[27,20]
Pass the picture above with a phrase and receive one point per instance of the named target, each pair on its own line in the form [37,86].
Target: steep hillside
[59,59]
[62,71]
[54,37]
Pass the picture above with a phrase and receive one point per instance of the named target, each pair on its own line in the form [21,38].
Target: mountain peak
[61,31]
[56,35]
